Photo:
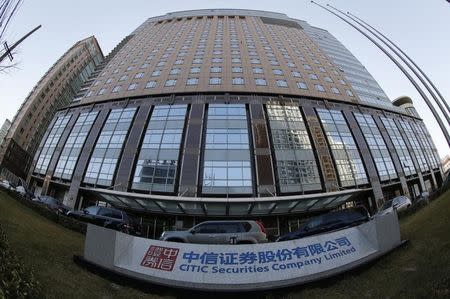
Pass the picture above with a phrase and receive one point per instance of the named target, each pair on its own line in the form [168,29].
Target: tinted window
[110,213]
[92,210]
[247,226]
[207,229]
[229,228]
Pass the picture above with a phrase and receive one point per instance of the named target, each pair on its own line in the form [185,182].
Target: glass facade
[156,168]
[74,144]
[415,145]
[346,156]
[399,145]
[377,147]
[50,144]
[295,161]
[107,150]
[226,161]
[426,145]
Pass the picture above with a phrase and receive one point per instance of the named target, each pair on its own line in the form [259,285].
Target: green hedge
[16,281]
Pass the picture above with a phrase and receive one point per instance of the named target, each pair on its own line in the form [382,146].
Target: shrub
[16,281]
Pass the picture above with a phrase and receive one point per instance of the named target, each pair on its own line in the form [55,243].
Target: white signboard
[226,265]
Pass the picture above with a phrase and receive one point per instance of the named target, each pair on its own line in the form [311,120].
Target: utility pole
[8,52]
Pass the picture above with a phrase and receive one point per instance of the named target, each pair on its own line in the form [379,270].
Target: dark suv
[107,217]
[328,222]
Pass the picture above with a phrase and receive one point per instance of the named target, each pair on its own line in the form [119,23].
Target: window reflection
[296,165]
[103,162]
[227,167]
[399,145]
[158,160]
[343,147]
[377,147]
[72,148]
[50,144]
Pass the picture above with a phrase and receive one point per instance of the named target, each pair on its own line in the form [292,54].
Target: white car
[399,203]
[21,190]
[5,184]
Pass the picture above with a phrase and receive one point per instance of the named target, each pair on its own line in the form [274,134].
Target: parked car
[5,184]
[220,232]
[21,190]
[107,217]
[53,204]
[328,222]
[399,203]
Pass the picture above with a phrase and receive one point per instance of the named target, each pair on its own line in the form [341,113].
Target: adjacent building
[54,91]
[224,113]
[4,130]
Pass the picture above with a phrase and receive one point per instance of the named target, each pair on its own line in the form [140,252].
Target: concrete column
[393,153]
[83,160]
[124,173]
[190,161]
[326,166]
[265,178]
[366,157]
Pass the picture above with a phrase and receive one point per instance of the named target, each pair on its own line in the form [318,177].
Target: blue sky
[419,27]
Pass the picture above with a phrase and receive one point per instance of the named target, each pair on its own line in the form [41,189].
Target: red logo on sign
[162,258]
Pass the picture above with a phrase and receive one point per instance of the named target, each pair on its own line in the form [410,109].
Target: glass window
[296,164]
[236,69]
[195,70]
[399,145]
[313,77]
[215,81]
[281,83]
[347,159]
[156,73]
[215,69]
[319,88]
[335,90]
[157,165]
[296,74]
[123,78]
[107,150]
[116,88]
[377,147]
[132,86]
[50,144]
[277,72]
[139,75]
[171,82]
[226,167]
[192,81]
[175,71]
[74,144]
[257,70]
[101,91]
[238,81]
[150,84]
[261,82]
[413,139]
[302,85]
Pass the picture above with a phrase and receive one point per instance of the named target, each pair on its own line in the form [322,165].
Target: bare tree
[8,8]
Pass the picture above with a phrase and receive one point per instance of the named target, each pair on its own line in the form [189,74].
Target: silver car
[220,232]
[399,203]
